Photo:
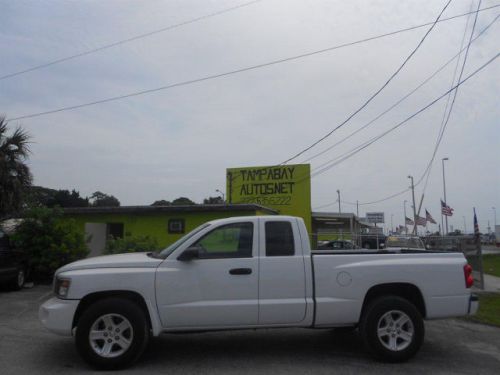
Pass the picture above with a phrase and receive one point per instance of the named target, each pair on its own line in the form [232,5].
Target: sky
[179,142]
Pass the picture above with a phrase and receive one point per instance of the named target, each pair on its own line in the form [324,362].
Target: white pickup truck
[254,272]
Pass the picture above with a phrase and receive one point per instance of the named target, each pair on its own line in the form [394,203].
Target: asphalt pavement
[451,346]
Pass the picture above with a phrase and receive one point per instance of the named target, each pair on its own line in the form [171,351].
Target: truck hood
[130,260]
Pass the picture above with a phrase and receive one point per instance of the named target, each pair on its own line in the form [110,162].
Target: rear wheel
[392,329]
[17,283]
[112,333]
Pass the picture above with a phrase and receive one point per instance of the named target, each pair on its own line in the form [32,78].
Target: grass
[489,309]
[491,264]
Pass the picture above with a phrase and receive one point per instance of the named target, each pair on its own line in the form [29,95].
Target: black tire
[395,344]
[137,335]
[17,283]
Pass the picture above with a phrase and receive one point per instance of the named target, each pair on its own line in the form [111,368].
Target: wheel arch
[91,298]
[408,291]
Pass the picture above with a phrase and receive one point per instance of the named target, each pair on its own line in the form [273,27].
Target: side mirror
[189,254]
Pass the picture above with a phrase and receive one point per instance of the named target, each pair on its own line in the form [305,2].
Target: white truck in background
[254,272]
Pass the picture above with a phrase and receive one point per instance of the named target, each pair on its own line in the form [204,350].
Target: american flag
[429,218]
[446,210]
[476,225]
[421,220]
[409,221]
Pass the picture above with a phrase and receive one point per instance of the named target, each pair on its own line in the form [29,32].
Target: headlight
[61,287]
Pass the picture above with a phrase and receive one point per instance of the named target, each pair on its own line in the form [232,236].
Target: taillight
[469,280]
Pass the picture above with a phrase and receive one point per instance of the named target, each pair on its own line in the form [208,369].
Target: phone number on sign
[274,201]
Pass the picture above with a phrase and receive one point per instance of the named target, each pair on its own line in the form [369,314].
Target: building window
[114,230]
[176,226]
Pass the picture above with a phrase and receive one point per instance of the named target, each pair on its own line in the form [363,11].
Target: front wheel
[392,329]
[112,333]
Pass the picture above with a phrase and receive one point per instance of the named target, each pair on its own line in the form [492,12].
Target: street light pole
[444,191]
[221,193]
[404,209]
[465,227]
[338,193]
[392,228]
[414,208]
[495,222]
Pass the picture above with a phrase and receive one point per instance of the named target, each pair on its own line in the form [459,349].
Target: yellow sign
[284,188]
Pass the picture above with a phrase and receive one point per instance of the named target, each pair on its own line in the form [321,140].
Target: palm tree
[15,175]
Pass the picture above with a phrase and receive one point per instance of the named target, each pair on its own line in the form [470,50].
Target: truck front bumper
[57,315]
[473,304]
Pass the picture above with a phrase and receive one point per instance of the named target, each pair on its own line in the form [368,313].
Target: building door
[96,236]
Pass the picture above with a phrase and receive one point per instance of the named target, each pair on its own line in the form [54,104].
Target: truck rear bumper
[473,304]
[57,315]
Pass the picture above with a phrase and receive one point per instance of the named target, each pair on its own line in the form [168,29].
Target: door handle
[240,271]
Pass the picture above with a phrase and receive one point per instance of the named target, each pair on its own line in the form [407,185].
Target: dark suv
[13,264]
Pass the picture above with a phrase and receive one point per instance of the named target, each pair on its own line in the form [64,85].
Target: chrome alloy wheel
[111,335]
[395,330]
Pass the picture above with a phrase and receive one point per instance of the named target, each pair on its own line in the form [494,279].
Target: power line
[361,147]
[383,113]
[444,124]
[123,41]
[373,95]
[236,71]
[366,203]
[403,98]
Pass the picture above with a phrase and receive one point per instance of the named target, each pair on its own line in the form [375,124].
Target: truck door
[282,283]
[218,289]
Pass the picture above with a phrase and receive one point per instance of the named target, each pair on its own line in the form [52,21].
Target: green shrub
[49,240]
[130,245]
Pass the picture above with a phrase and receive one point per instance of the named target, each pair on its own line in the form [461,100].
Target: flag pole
[479,251]
[414,208]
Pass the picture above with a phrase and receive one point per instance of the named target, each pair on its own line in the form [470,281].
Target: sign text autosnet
[260,184]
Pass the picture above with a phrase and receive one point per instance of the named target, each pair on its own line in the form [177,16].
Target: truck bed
[341,282]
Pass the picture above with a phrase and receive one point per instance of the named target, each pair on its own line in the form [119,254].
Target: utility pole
[444,190]
[230,193]
[414,208]
[392,228]
[465,227]
[404,208]
[338,193]
[357,209]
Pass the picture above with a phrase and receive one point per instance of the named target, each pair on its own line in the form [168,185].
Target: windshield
[404,242]
[166,252]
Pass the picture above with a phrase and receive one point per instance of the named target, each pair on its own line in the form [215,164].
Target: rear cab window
[279,239]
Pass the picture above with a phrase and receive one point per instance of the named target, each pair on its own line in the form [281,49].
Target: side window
[279,239]
[227,241]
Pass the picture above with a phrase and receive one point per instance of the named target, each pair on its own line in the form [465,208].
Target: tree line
[17,194]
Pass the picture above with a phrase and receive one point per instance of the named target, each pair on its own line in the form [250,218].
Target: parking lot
[451,346]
